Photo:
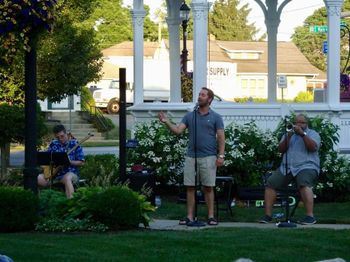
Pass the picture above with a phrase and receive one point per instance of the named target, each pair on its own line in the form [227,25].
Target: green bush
[100,170]
[93,209]
[19,209]
[118,207]
[249,153]
[304,97]
[69,225]
[52,203]
[87,99]
[186,87]
[159,150]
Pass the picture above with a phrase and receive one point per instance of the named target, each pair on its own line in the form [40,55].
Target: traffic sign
[325,47]
[282,81]
[318,28]
[323,28]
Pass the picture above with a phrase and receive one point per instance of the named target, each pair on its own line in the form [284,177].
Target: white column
[272,15]
[138,14]
[333,56]
[174,21]
[272,27]
[200,31]
[174,56]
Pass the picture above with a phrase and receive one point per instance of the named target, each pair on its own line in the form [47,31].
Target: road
[17,157]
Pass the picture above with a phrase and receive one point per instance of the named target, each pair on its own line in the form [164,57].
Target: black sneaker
[265,219]
[308,220]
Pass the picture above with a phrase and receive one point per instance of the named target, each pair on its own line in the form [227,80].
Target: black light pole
[30,171]
[185,17]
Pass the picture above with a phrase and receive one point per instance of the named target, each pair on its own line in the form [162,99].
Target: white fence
[266,116]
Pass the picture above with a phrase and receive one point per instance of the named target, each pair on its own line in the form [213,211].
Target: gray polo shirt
[206,128]
[298,157]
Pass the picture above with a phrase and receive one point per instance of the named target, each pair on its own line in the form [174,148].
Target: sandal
[185,221]
[212,222]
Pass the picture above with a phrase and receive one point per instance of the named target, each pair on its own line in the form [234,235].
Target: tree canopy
[229,22]
[68,49]
[311,43]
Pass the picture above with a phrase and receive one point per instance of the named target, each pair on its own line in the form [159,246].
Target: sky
[293,14]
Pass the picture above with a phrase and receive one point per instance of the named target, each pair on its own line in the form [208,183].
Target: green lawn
[201,245]
[326,213]
[208,244]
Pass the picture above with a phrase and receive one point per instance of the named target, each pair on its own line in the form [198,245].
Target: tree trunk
[5,159]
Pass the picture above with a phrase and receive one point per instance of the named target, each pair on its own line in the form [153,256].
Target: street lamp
[185,17]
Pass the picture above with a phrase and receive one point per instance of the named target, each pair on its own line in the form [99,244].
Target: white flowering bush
[159,150]
[249,153]
[334,180]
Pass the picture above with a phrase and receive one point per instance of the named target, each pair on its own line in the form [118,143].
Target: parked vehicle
[108,98]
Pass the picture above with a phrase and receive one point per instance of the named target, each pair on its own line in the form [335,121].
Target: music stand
[52,159]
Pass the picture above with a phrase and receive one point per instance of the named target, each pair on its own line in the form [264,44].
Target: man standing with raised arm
[206,147]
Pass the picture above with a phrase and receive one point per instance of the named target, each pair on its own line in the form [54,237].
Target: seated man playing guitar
[67,175]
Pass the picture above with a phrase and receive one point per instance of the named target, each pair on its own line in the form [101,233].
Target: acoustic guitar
[51,172]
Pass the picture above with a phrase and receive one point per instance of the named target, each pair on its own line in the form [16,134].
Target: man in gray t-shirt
[300,162]
[206,148]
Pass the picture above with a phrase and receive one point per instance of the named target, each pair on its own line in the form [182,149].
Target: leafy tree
[12,126]
[150,28]
[310,43]
[111,21]
[229,22]
[69,49]
[67,60]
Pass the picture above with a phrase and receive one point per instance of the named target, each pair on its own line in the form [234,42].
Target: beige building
[234,69]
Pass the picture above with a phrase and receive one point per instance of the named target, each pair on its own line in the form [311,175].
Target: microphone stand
[287,223]
[195,222]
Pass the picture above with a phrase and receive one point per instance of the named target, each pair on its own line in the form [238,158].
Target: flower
[159,150]
[249,153]
[19,18]
[344,82]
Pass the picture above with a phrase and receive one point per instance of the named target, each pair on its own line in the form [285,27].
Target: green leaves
[249,153]
[229,22]
[159,150]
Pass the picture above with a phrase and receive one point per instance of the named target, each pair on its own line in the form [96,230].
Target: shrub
[159,150]
[304,97]
[334,180]
[100,170]
[186,87]
[93,209]
[52,203]
[19,209]
[249,153]
[119,207]
[69,225]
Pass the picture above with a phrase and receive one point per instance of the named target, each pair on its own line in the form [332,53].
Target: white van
[108,98]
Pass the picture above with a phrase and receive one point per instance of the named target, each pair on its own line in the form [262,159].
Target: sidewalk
[159,224]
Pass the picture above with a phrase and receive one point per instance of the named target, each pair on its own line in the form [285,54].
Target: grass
[221,244]
[326,213]
[214,244]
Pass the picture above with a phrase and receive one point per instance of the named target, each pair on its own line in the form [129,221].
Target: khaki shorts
[206,171]
[307,177]
[75,177]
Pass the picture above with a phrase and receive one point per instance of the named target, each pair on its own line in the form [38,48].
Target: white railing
[266,116]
